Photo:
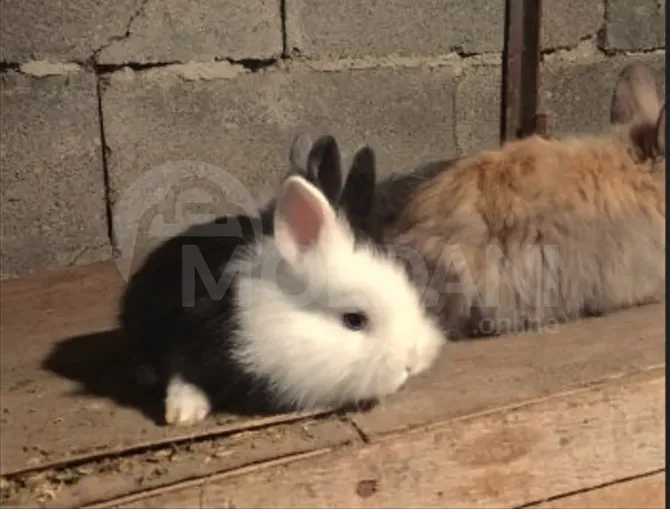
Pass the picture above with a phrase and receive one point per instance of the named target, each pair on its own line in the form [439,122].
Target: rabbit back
[540,230]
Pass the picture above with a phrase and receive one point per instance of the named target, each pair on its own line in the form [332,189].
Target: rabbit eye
[355,321]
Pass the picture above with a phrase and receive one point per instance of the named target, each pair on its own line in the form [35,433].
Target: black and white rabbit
[308,313]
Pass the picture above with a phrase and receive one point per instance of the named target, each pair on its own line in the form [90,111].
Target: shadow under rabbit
[101,363]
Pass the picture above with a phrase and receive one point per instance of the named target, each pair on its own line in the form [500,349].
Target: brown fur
[545,230]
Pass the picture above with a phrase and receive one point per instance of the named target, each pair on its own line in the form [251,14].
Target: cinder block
[184,30]
[566,22]
[61,31]
[355,29]
[139,31]
[575,95]
[635,25]
[352,29]
[241,130]
[52,200]
[478,108]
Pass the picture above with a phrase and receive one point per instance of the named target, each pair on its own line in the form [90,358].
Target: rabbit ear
[299,152]
[301,218]
[635,99]
[358,193]
[324,167]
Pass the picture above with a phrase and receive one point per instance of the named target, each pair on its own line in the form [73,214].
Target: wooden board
[120,475]
[67,412]
[505,458]
[646,492]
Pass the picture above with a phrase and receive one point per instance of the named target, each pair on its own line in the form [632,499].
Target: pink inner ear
[304,217]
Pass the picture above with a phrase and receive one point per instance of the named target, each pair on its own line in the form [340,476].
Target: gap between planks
[334,470]
[644,491]
[217,431]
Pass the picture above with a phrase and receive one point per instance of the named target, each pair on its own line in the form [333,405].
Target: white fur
[185,404]
[299,342]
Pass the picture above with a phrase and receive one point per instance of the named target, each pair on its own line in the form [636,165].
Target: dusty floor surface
[73,433]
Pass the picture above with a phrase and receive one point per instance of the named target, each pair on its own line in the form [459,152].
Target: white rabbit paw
[185,404]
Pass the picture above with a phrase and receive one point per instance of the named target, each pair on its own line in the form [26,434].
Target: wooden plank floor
[571,418]
[644,491]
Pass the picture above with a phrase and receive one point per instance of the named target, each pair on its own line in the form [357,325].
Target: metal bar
[530,73]
[541,126]
[512,69]
[521,65]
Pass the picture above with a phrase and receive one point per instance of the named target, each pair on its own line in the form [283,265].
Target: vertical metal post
[531,66]
[521,66]
[511,71]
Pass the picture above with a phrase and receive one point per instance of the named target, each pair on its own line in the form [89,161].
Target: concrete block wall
[95,94]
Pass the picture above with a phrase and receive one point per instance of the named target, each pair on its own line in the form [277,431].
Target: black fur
[324,167]
[370,206]
[354,201]
[173,330]
[358,193]
[393,193]
[367,205]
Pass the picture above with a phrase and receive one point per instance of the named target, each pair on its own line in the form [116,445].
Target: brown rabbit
[537,231]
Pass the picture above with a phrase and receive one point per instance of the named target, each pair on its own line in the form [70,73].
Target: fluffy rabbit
[538,231]
[306,314]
